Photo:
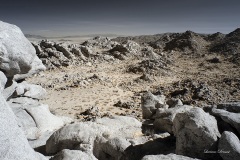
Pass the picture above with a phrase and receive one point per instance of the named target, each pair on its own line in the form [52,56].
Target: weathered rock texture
[195,132]
[17,54]
[17,57]
[229,146]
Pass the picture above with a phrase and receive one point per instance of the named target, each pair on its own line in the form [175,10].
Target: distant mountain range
[76,36]
[35,36]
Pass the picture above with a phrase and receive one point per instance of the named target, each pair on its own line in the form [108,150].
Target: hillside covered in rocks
[169,96]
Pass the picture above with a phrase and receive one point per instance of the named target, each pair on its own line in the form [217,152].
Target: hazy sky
[132,17]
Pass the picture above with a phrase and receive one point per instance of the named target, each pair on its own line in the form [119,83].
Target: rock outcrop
[55,55]
[14,145]
[17,57]
[17,54]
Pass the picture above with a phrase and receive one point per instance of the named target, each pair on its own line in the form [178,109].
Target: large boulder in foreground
[85,133]
[36,120]
[167,157]
[14,145]
[229,146]
[17,54]
[196,131]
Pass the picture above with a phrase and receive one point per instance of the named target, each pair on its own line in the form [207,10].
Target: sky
[122,17]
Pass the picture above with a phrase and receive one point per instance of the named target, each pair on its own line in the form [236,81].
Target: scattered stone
[202,92]
[179,92]
[198,93]
[91,114]
[144,78]
[126,105]
[214,60]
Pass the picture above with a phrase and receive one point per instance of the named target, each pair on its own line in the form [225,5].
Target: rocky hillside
[169,96]
[189,41]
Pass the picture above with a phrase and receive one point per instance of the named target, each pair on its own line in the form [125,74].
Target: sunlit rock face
[17,55]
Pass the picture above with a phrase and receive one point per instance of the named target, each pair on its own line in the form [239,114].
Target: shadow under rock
[157,146]
[41,149]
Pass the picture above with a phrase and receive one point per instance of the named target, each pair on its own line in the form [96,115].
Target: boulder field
[169,128]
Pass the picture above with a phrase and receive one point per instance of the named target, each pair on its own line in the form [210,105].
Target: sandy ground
[71,101]
[74,89]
